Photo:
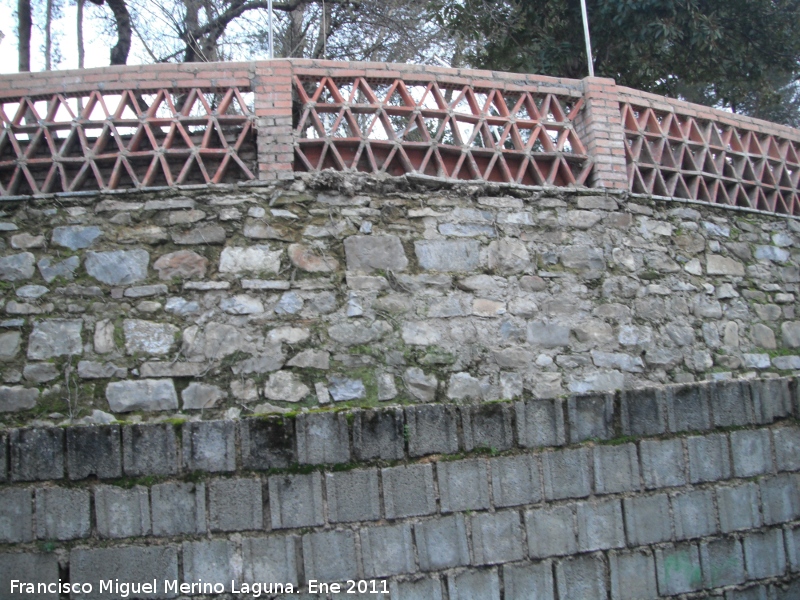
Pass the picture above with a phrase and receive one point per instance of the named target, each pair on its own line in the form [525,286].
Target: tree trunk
[324,31]
[119,53]
[24,34]
[81,50]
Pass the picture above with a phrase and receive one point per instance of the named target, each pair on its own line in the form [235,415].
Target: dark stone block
[3,456]
[772,399]
[149,450]
[643,412]
[731,403]
[540,423]
[432,429]
[209,446]
[37,454]
[94,451]
[268,443]
[688,407]
[590,417]
[379,434]
[488,426]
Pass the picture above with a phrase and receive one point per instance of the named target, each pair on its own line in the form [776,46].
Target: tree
[729,48]
[24,27]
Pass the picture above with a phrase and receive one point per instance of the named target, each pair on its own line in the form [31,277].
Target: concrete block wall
[711,511]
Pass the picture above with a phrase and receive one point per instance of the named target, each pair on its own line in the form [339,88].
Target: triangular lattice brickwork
[684,157]
[107,141]
[399,127]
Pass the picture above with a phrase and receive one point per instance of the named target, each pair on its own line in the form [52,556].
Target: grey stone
[616,469]
[9,345]
[633,575]
[254,259]
[591,417]
[607,381]
[379,434]
[540,423]
[432,429]
[94,451]
[374,252]
[738,507]
[547,335]
[209,446]
[387,550]
[763,336]
[285,386]
[330,556]
[322,438]
[487,426]
[36,454]
[771,399]
[353,496]
[662,463]
[618,360]
[708,458]
[756,361]
[497,538]
[586,260]
[271,358]
[764,554]
[786,363]
[722,265]
[566,474]
[421,589]
[752,453]
[311,359]
[24,241]
[235,504]
[551,531]
[508,256]
[526,581]
[88,369]
[120,267]
[448,255]
[295,500]
[241,304]
[145,394]
[199,396]
[731,403]
[474,585]
[267,443]
[442,543]
[787,448]
[467,230]
[17,267]
[127,564]
[200,235]
[181,307]
[583,577]
[55,337]
[515,480]
[148,337]
[422,387]
[647,519]
[16,398]
[463,386]
[352,334]
[149,450]
[31,292]
[343,389]
[678,569]
[16,516]
[290,304]
[723,562]
[693,514]
[463,485]
[3,457]
[688,407]
[172,369]
[408,491]
[211,560]
[790,334]
[600,525]
[76,237]
[121,513]
[178,508]
[269,559]
[780,499]
[62,513]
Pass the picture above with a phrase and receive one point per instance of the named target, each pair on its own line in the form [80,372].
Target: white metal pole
[271,47]
[588,41]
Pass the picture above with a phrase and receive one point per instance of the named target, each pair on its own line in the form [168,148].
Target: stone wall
[687,491]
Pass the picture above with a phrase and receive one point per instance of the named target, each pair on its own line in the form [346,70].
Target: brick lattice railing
[178,124]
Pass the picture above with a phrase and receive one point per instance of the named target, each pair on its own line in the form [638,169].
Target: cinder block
[764,554]
[209,446]
[515,480]
[780,498]
[463,485]
[474,585]
[30,567]
[432,429]
[121,513]
[149,450]
[178,508]
[723,562]
[270,559]
[378,434]
[442,543]
[3,457]
[267,443]
[322,438]
[36,454]
[678,569]
[330,556]
[758,592]
[497,538]
[647,519]
[752,452]
[709,459]
[127,563]
[296,500]
[62,514]
[526,581]
[408,491]
[787,448]
[694,514]
[633,575]
[235,504]
[644,411]
[582,577]
[786,591]
[94,451]
[591,417]
[487,426]
[731,403]
[738,507]
[551,531]
[540,423]
[793,547]
[616,469]
[662,463]
[688,407]
[566,474]
[600,525]
[422,589]
[353,496]
[211,561]
[387,550]
[16,516]
[772,399]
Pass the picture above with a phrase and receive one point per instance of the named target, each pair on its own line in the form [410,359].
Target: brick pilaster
[273,104]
